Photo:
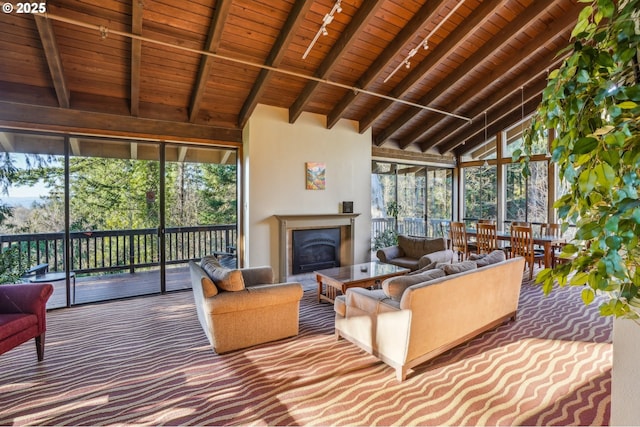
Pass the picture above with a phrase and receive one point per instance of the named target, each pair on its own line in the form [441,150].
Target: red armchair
[23,315]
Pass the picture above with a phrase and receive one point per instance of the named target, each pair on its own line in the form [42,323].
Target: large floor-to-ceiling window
[113,218]
[32,206]
[409,199]
[494,187]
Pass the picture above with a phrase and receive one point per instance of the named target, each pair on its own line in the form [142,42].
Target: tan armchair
[259,312]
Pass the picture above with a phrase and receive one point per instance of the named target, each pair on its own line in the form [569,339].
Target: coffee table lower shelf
[333,281]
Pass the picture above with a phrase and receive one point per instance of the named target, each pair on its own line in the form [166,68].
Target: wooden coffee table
[366,275]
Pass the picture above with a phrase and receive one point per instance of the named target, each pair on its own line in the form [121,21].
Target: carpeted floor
[146,361]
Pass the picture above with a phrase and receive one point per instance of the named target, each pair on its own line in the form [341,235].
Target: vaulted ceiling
[197,69]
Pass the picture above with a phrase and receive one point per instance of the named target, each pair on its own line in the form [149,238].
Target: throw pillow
[475,257]
[224,278]
[209,288]
[492,258]
[459,267]
[423,269]
[394,287]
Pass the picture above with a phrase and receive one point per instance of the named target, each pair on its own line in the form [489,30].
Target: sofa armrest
[25,298]
[253,276]
[389,253]
[253,298]
[439,256]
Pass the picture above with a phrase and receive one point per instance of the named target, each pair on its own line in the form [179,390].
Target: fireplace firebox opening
[315,249]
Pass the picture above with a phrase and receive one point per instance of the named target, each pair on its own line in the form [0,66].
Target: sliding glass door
[201,209]
[114,218]
[106,218]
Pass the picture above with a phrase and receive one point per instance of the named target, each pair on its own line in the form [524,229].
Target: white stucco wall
[275,153]
[625,377]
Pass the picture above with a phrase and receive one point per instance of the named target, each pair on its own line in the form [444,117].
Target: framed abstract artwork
[315,176]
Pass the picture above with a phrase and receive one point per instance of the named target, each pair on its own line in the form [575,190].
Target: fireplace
[288,224]
[315,249]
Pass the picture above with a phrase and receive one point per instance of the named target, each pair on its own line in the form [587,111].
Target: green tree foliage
[9,265]
[115,194]
[593,103]
[219,193]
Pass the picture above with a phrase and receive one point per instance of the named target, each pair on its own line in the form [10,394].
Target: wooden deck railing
[412,226]
[120,250]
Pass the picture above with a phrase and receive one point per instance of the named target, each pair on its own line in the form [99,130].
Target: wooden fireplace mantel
[289,222]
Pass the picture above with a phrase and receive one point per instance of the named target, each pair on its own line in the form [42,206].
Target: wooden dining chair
[486,221]
[486,238]
[553,230]
[507,248]
[458,237]
[522,245]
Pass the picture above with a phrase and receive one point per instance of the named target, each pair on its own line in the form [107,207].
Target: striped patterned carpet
[146,361]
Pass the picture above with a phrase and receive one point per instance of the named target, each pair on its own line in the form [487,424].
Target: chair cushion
[394,287]
[411,246]
[416,247]
[459,267]
[12,323]
[224,278]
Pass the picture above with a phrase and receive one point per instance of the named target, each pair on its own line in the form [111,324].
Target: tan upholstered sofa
[407,323]
[414,252]
[259,312]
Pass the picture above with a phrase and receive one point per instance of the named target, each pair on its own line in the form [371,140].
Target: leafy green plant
[593,103]
[386,238]
[9,265]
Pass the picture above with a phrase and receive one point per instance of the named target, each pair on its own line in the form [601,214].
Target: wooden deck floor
[113,286]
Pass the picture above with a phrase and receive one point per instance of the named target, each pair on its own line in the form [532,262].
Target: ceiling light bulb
[324,31]
[425,45]
[407,64]
[339,9]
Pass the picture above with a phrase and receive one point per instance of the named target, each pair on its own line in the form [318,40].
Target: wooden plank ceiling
[197,69]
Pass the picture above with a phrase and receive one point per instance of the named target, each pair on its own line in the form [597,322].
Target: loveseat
[23,315]
[416,317]
[242,308]
[415,252]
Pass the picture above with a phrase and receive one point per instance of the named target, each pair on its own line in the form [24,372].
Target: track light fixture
[328,18]
[424,43]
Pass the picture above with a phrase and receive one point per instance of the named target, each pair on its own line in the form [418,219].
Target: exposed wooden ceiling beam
[136,55]
[506,119]
[408,32]
[547,58]
[206,62]
[535,77]
[477,18]
[24,116]
[182,153]
[6,142]
[347,38]
[276,55]
[492,45]
[54,60]
[225,157]
[75,146]
[476,130]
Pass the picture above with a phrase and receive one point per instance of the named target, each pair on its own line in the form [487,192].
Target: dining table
[547,242]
